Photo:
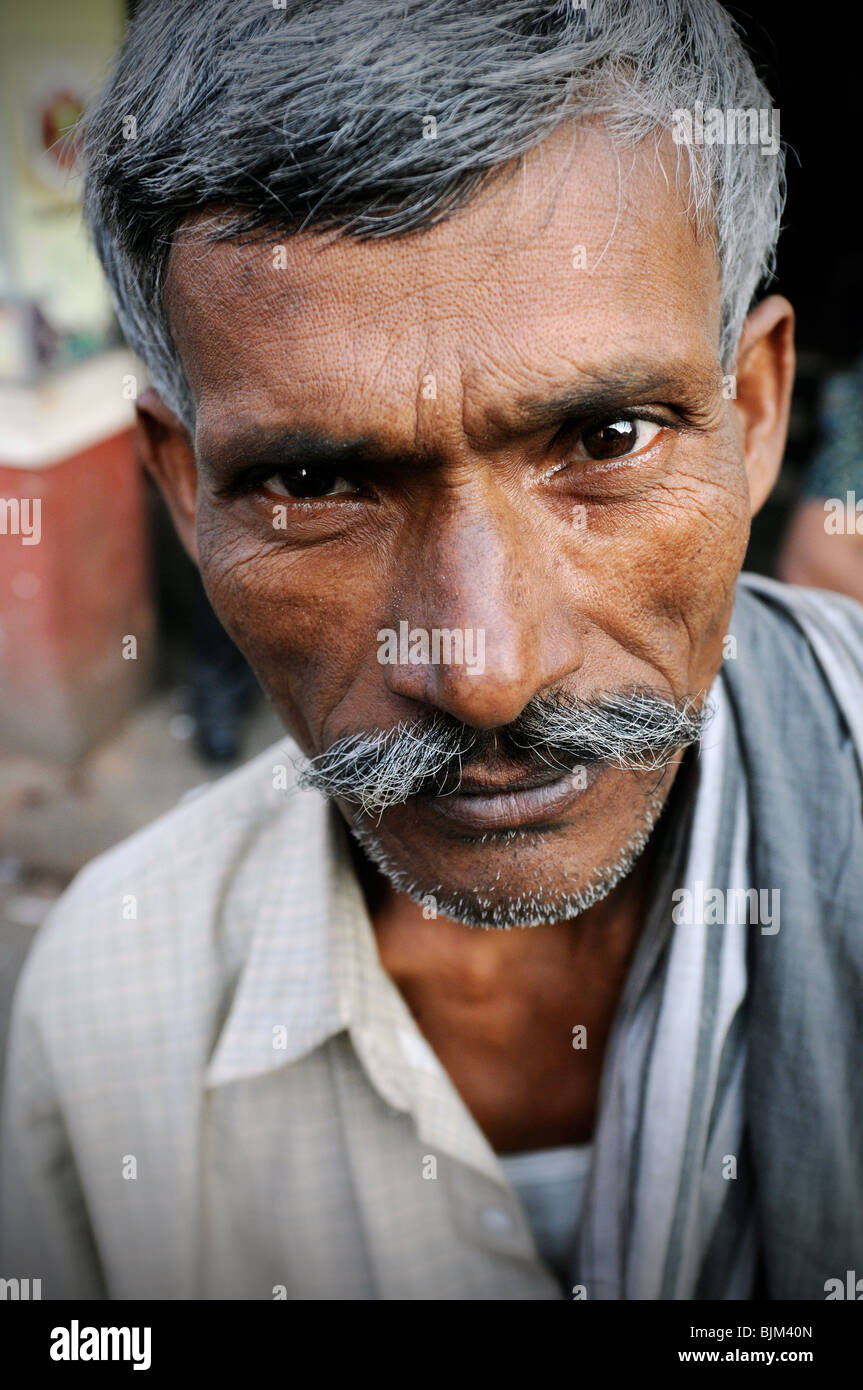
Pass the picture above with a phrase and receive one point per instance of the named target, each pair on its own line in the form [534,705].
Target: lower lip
[507,810]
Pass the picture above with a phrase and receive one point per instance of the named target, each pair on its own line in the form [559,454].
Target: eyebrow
[686,386]
[280,447]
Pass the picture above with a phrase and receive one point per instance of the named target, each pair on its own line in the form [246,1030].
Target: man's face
[438,430]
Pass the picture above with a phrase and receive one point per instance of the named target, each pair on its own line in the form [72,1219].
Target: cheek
[663,568]
[305,623]
[699,544]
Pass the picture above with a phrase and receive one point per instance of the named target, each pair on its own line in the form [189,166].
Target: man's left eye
[611,439]
[301,483]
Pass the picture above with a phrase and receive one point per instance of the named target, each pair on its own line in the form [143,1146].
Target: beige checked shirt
[214,1090]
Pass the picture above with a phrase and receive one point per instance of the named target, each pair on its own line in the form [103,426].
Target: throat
[519,1020]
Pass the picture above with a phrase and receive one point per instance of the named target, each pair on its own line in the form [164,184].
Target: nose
[483,622]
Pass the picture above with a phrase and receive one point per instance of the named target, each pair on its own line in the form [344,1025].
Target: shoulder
[795,679]
[800,605]
[154,913]
[799,634]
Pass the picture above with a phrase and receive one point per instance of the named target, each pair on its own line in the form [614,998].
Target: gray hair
[305,114]
[638,730]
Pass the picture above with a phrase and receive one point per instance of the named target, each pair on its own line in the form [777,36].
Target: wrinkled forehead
[581,254]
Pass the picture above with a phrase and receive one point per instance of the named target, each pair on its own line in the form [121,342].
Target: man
[530,968]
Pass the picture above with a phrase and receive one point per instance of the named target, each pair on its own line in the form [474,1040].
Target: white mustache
[638,731]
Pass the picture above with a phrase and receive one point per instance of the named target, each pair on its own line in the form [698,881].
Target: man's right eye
[299,483]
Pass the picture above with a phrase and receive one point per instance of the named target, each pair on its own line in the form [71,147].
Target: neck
[410,944]
[500,1008]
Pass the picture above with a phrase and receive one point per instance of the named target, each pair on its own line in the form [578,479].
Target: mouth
[478,805]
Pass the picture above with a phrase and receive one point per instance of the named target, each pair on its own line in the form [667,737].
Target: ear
[167,453]
[765,377]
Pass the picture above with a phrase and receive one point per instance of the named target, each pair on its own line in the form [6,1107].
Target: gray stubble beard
[487,909]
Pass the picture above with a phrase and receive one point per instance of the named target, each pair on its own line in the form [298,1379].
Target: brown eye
[302,482]
[612,439]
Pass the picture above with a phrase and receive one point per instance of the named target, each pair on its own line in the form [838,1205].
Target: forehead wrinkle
[333,285]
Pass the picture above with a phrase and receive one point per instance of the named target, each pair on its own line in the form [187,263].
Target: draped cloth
[728,1156]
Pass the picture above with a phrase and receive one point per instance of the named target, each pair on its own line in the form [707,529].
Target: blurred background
[119,691]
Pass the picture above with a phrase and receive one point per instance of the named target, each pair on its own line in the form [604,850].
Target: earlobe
[168,455]
[765,377]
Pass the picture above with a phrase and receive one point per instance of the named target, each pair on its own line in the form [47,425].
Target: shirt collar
[305,974]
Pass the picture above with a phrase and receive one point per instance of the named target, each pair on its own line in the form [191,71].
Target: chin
[519,880]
